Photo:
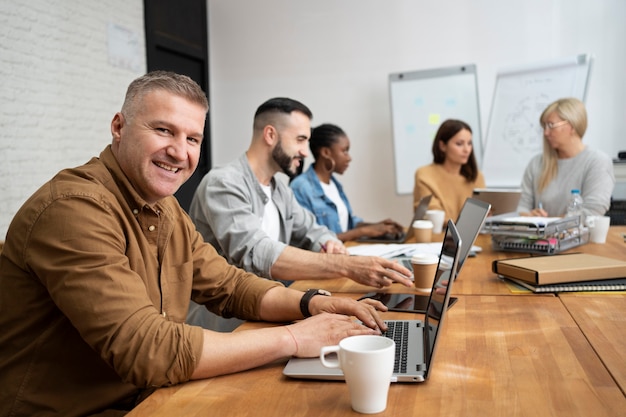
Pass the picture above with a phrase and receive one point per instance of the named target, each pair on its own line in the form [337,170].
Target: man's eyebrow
[159,122]
[171,126]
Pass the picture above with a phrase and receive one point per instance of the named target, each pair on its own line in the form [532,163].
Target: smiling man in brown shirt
[100,263]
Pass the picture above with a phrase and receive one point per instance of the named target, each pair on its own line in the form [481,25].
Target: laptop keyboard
[398,331]
[406,263]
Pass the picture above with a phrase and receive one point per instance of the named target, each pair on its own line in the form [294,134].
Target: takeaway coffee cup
[424,267]
[367,364]
[423,231]
[437,217]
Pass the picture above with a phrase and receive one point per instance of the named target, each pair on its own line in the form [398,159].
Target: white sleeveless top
[332,192]
[270,223]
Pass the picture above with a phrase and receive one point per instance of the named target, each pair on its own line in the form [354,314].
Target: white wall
[335,57]
[58,91]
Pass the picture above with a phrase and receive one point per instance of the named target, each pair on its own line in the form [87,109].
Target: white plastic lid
[424,259]
[422,224]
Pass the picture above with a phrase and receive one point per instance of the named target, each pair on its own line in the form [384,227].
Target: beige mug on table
[367,365]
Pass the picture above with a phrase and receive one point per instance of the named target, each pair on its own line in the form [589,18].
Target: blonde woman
[566,164]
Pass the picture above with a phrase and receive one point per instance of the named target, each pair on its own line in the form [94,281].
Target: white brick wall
[58,92]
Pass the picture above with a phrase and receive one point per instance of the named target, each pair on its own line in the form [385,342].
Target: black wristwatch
[306,299]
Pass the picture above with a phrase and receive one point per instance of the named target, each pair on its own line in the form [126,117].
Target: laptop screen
[501,200]
[470,222]
[438,303]
[419,212]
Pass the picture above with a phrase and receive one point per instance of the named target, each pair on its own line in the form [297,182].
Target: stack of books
[566,272]
[542,235]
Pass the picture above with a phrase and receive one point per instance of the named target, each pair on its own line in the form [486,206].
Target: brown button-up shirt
[94,291]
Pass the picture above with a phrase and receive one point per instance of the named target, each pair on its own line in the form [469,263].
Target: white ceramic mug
[598,228]
[367,364]
[437,217]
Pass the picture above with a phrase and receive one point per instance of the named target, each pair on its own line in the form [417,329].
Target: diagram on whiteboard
[522,132]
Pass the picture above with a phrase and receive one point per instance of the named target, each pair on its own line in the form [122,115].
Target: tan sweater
[449,191]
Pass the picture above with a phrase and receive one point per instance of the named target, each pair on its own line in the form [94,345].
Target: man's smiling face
[159,146]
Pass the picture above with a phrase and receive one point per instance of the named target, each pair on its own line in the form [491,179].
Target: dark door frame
[177,40]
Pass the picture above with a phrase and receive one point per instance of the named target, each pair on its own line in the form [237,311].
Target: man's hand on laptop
[324,329]
[365,310]
[377,272]
[332,321]
[335,247]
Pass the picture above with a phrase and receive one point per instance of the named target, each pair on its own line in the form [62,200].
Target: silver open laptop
[502,200]
[469,223]
[421,336]
[418,214]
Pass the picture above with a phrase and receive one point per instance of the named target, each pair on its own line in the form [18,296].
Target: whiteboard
[420,101]
[514,134]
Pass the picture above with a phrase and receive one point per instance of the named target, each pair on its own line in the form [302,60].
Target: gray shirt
[227,209]
[590,171]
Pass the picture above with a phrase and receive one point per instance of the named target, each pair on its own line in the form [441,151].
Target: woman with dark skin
[318,190]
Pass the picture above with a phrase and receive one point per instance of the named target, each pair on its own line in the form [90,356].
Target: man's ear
[270,135]
[117,124]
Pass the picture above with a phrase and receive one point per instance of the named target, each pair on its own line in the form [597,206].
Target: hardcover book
[553,269]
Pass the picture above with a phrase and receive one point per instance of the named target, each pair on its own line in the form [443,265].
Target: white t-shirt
[270,223]
[332,192]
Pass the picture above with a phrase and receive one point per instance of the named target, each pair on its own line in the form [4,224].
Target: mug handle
[590,221]
[325,351]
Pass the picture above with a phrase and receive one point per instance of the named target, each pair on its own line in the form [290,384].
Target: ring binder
[541,235]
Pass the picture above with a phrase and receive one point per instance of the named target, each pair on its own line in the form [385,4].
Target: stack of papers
[393,250]
[524,220]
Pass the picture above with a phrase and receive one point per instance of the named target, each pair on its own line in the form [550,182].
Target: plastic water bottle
[575,206]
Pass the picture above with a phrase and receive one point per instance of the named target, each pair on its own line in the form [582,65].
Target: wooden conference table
[502,353]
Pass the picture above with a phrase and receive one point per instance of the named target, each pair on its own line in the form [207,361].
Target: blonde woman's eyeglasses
[552,126]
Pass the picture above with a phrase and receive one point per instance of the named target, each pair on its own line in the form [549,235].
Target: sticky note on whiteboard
[434,118]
